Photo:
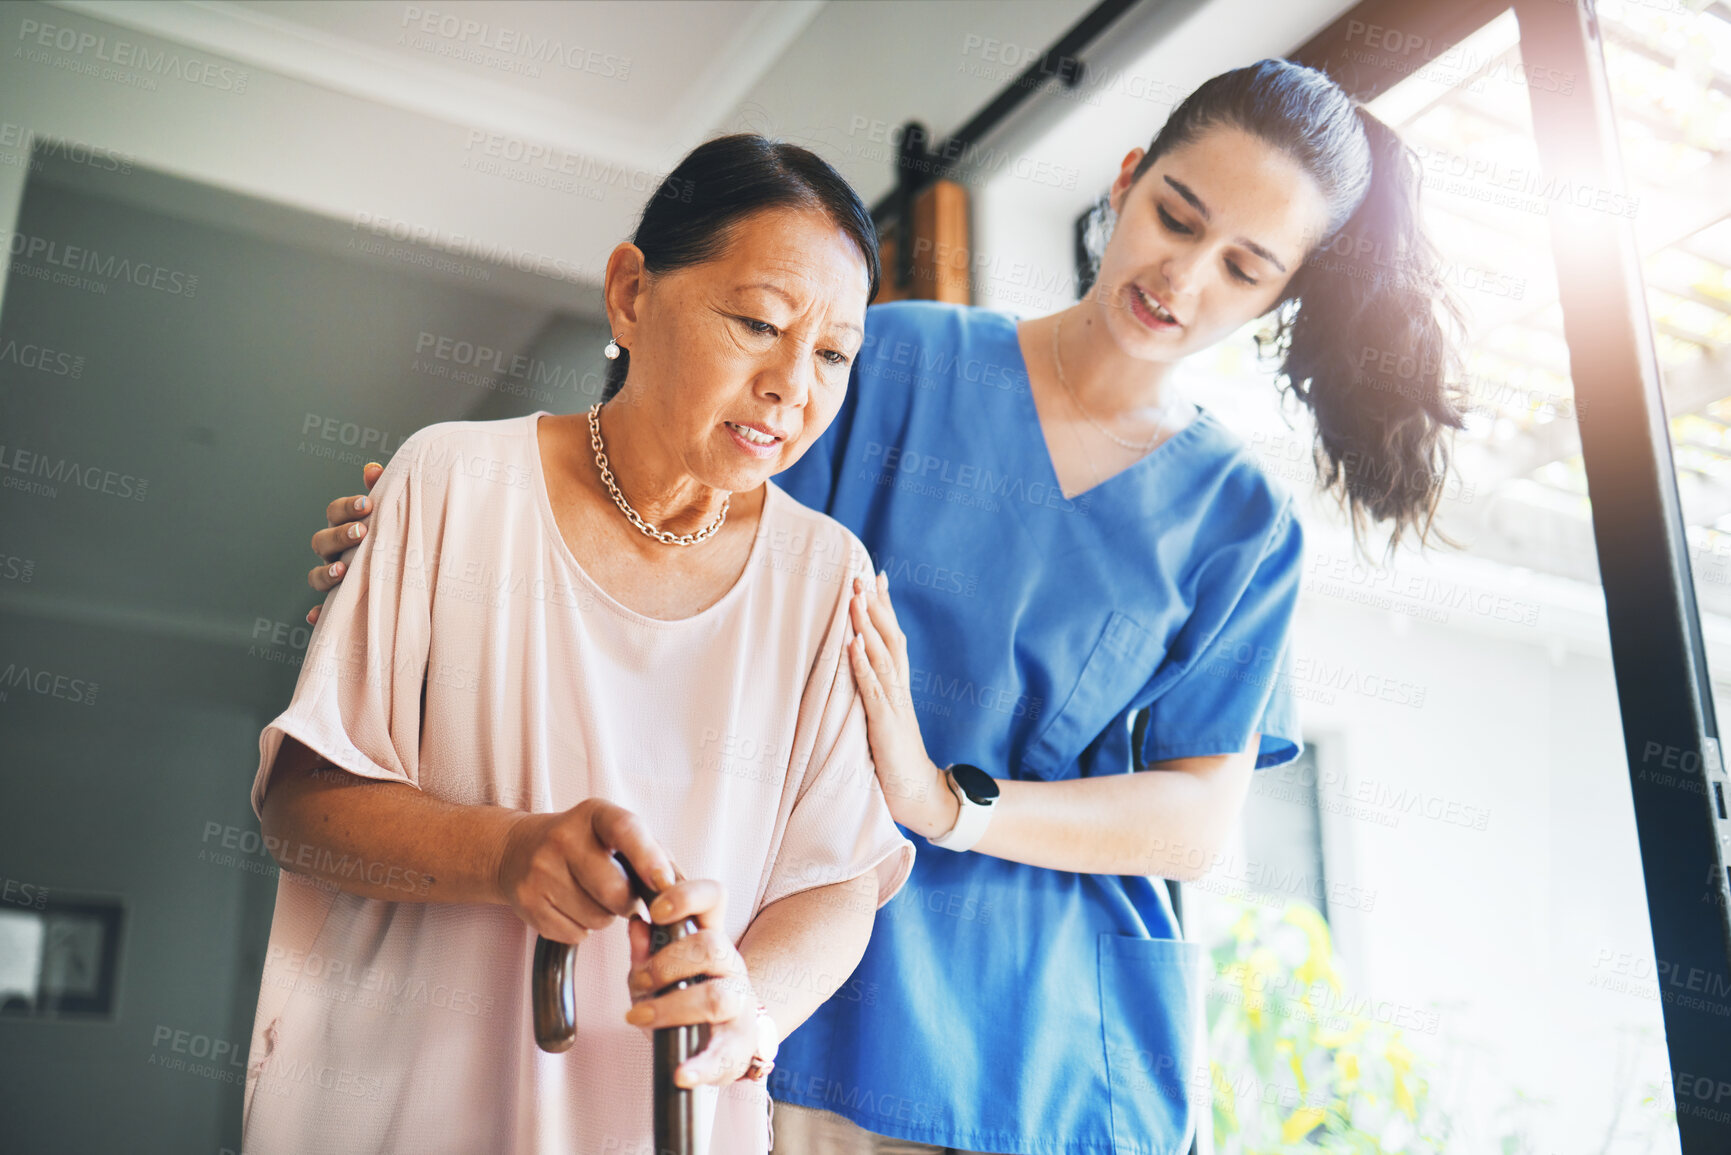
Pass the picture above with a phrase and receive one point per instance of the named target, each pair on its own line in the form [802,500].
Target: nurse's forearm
[1172,821]
[380,839]
[802,949]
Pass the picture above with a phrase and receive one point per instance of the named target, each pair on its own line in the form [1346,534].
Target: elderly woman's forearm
[802,949]
[384,839]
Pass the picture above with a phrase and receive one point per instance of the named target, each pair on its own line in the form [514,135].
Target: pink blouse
[468,655]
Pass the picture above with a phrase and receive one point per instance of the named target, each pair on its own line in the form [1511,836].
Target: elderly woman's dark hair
[690,218]
[1369,294]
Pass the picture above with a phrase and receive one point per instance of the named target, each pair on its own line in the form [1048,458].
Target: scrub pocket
[1153,1022]
[1121,662]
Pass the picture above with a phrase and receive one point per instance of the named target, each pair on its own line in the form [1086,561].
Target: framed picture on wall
[61,961]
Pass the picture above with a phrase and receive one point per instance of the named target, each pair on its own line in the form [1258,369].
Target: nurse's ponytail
[1362,341]
[1367,334]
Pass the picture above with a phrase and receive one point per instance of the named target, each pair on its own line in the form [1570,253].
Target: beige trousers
[809,1131]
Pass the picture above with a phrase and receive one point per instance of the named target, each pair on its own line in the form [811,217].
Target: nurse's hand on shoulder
[914,787]
[346,525]
[557,872]
[724,998]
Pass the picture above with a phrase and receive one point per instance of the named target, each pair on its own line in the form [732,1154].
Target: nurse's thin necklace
[660,535]
[1059,362]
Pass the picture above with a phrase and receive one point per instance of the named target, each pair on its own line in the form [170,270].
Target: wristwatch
[763,1058]
[977,792]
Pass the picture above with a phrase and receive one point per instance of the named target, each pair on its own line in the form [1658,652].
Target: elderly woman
[530,669]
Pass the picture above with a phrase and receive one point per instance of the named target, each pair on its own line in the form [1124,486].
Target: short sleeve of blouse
[357,703]
[1241,684]
[840,827]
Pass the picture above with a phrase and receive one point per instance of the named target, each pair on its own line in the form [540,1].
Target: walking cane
[553,987]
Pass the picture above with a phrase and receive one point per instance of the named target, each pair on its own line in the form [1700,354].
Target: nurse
[1068,543]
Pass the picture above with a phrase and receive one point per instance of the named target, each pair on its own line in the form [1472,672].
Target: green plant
[1298,1065]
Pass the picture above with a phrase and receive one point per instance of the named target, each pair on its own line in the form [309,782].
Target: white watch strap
[971,820]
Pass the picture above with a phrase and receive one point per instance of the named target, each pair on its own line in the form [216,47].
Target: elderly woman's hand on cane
[558,873]
[719,993]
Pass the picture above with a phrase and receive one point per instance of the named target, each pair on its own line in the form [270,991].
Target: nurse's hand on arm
[346,525]
[1172,820]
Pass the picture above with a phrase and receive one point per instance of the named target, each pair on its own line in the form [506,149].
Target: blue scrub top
[1004,1007]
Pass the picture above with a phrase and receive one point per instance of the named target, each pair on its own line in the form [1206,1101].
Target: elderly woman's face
[743,360]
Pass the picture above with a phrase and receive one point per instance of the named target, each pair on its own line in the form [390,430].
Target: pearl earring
[611,352]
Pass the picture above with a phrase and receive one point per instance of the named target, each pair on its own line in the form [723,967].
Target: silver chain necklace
[1057,360]
[660,535]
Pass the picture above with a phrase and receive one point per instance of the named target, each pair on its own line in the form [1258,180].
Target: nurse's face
[740,363]
[1205,242]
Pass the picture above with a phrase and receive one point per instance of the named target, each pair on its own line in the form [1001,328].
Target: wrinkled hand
[557,872]
[725,1000]
[919,797]
[346,518]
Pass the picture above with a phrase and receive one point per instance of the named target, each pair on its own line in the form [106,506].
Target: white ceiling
[361,110]
[615,81]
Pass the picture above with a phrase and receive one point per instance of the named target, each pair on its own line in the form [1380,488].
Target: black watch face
[979,786]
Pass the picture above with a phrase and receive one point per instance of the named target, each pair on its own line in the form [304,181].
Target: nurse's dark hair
[1366,335]
[691,216]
